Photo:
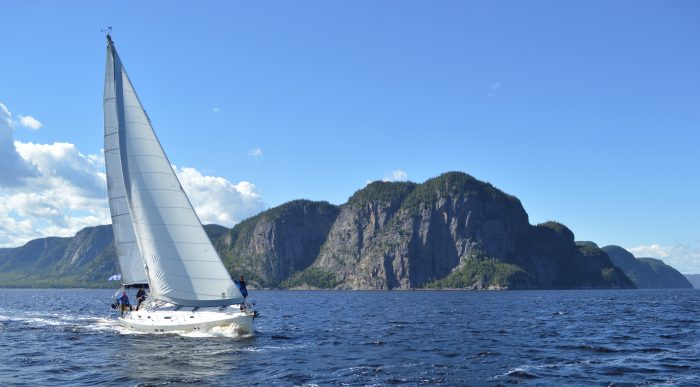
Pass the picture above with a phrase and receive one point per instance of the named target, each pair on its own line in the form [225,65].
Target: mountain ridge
[451,231]
[647,273]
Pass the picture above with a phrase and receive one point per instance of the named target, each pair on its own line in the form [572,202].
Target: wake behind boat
[160,242]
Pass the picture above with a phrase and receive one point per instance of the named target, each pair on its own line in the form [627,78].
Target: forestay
[181,264]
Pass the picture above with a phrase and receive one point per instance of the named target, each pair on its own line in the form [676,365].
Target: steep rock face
[84,247]
[269,247]
[414,234]
[553,260]
[454,231]
[357,231]
[646,273]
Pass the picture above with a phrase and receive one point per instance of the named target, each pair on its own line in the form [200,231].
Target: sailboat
[160,242]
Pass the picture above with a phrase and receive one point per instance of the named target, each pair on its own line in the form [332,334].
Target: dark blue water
[70,337]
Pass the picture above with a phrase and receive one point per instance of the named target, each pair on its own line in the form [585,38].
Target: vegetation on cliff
[481,273]
[312,277]
[452,231]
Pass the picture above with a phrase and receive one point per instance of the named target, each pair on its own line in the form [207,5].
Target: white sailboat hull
[159,321]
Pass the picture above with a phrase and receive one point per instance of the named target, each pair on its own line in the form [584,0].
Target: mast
[181,264]
[127,250]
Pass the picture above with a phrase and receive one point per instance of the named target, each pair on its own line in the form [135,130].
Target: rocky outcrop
[271,246]
[454,231]
[646,273]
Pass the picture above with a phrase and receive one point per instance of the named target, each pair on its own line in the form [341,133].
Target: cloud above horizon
[13,168]
[681,257]
[55,190]
[256,153]
[217,200]
[66,195]
[393,176]
[30,122]
[396,175]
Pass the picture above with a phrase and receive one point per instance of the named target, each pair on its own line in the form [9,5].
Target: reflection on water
[174,358]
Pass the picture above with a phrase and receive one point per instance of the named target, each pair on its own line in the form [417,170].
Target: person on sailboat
[242,287]
[140,298]
[124,302]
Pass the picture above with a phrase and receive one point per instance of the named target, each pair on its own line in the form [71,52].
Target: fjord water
[70,337]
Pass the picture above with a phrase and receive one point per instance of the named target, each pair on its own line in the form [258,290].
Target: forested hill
[85,260]
[647,273]
[452,231]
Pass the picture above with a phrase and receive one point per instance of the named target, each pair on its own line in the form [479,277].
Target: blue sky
[588,111]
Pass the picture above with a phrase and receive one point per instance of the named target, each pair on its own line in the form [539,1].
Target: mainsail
[128,254]
[181,264]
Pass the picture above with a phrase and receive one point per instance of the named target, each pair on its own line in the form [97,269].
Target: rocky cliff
[452,231]
[646,273]
[269,247]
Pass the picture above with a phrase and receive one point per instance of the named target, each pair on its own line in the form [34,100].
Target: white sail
[130,261]
[182,266]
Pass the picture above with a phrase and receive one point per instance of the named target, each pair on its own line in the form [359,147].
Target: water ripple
[70,337]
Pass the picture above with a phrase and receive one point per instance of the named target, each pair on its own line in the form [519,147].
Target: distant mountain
[694,279]
[646,273]
[85,260]
[452,231]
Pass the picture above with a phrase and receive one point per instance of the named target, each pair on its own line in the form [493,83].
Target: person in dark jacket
[242,287]
[124,302]
[140,297]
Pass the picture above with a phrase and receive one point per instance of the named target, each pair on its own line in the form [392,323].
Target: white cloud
[651,251]
[52,190]
[255,153]
[397,175]
[217,200]
[13,168]
[55,190]
[30,122]
[215,109]
[493,89]
[683,258]
[5,117]
[63,161]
